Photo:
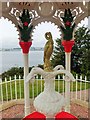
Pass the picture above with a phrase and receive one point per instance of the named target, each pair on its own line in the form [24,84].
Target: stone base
[49,103]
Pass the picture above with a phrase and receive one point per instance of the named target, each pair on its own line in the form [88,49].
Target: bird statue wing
[68,75]
[46,50]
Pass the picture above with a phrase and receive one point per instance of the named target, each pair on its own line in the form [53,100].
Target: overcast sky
[9,35]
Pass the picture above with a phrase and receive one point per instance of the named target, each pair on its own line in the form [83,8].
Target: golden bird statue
[48,49]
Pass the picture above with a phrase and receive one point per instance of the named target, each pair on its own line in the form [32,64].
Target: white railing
[14,89]
[81,88]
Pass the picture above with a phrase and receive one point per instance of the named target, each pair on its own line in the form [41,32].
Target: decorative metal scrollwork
[13,10]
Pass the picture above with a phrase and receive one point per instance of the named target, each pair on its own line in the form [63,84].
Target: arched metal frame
[44,11]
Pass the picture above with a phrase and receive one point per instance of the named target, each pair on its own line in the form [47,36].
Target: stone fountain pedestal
[49,102]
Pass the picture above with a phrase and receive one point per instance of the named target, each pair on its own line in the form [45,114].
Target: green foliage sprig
[68,27]
[26,28]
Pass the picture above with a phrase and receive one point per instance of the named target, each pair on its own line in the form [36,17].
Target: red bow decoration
[25,23]
[68,23]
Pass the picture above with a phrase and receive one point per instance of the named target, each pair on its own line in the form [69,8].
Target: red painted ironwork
[68,45]
[25,46]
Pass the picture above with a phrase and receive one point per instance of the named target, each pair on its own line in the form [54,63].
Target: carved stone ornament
[46,9]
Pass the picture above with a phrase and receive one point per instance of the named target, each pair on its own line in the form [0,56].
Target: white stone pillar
[67,83]
[25,49]
[26,85]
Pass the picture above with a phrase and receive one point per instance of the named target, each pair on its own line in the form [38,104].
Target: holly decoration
[26,28]
[69,26]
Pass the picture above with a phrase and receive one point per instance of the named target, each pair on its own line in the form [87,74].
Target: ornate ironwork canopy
[44,11]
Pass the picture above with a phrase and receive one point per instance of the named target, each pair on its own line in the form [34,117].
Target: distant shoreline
[19,49]
[15,59]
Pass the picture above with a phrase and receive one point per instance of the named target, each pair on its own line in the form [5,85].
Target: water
[10,59]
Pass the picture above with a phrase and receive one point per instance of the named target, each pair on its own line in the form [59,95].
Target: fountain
[49,101]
